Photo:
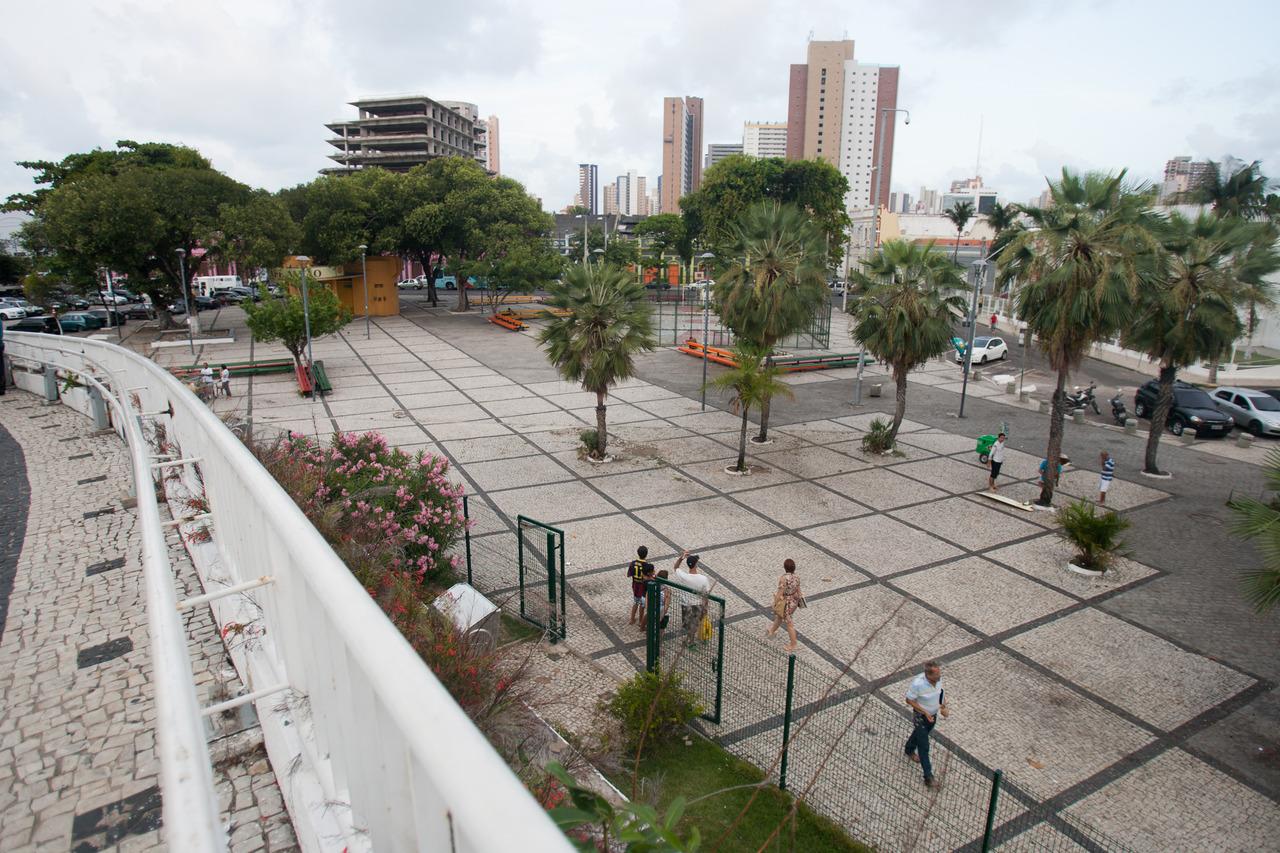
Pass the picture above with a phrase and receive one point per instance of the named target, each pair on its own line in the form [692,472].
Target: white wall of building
[764,139]
[858,132]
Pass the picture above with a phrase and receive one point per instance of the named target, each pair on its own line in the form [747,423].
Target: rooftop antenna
[810,35]
[977,167]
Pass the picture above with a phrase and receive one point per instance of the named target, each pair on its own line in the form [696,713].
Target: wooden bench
[304,381]
[320,378]
[506,321]
[535,313]
[240,368]
[786,363]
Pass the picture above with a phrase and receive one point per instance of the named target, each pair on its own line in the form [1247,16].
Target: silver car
[1256,411]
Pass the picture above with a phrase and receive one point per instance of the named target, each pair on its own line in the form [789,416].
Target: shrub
[652,707]
[588,438]
[1095,537]
[878,439]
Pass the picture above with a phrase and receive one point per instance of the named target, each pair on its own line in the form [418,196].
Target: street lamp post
[979,273]
[706,329]
[364,276]
[304,262]
[186,302]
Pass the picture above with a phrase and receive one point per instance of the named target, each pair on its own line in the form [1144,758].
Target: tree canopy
[282,319]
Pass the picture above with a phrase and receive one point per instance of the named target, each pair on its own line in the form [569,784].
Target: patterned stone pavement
[1089,694]
[78,765]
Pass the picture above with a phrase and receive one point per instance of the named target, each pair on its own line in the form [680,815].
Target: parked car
[205,303]
[415,283]
[1192,409]
[246,293]
[12,312]
[77,322]
[89,321]
[48,325]
[109,318]
[986,349]
[126,295]
[140,311]
[1256,411]
[32,310]
[226,296]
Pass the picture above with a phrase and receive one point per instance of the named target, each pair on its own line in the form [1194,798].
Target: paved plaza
[1143,704]
[78,765]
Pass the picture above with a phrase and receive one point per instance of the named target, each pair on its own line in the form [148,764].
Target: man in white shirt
[206,381]
[693,600]
[926,699]
[996,457]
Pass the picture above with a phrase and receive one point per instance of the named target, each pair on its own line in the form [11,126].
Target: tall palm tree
[1260,520]
[959,216]
[777,284]
[1185,309]
[753,382]
[1079,268]
[1241,193]
[906,297]
[606,325]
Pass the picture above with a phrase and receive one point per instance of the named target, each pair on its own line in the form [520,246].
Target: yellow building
[347,284]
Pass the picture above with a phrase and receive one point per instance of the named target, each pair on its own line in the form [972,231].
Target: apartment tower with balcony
[403,132]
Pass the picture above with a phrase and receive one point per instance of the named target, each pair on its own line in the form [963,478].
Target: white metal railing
[372,753]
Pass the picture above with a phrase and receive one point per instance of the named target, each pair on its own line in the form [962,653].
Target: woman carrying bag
[785,601]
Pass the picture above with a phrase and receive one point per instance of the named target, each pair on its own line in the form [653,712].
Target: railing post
[786,722]
[98,409]
[553,618]
[50,383]
[652,625]
[720,666]
[996,778]
[466,533]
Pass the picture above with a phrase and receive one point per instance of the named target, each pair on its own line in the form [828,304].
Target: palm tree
[778,284]
[607,324]
[1256,519]
[959,216]
[905,299]
[753,382]
[1242,193]
[1079,268]
[1185,309]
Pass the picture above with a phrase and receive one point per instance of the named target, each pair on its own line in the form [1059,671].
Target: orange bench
[305,386]
[506,321]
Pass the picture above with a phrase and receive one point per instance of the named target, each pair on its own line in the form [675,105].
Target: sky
[1091,84]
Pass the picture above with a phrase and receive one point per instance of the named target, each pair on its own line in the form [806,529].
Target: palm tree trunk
[955,253]
[1160,417]
[742,442]
[764,422]
[1057,418]
[602,431]
[1213,371]
[900,408]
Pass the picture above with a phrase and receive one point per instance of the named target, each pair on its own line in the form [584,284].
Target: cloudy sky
[1091,84]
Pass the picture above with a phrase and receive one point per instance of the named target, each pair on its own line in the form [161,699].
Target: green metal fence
[691,643]
[541,574]
[679,314]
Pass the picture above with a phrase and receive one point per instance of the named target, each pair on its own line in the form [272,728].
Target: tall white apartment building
[764,139]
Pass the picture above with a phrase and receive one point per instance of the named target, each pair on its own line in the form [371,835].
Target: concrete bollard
[1130,426]
[1077,416]
[1244,440]
[1024,396]
[98,409]
[50,383]
[1188,437]
[1044,407]
[876,389]
[1011,387]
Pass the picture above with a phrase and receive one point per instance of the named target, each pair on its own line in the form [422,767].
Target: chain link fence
[678,314]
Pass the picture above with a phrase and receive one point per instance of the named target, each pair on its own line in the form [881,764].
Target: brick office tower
[834,113]
[681,150]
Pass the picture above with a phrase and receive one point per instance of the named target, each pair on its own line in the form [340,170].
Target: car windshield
[1264,402]
[1193,398]
[981,342]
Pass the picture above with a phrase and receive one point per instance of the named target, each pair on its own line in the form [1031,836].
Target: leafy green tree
[1241,194]
[1079,266]
[595,240]
[606,325]
[959,216]
[338,215]
[1185,310]
[282,319]
[905,298]
[781,281]
[1260,521]
[621,252]
[753,381]
[256,234]
[514,263]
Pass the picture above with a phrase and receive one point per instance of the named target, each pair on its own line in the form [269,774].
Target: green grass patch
[693,771]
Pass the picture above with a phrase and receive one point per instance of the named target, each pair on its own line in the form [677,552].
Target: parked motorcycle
[1118,411]
[1080,399]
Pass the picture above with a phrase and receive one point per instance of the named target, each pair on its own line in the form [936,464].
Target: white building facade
[764,139]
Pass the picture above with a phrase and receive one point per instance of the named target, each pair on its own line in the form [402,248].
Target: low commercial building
[346,281]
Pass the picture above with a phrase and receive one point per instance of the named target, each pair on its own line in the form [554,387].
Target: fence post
[720,667]
[996,777]
[466,533]
[553,617]
[50,383]
[786,722]
[652,625]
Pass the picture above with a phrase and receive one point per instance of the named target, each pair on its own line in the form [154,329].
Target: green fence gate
[691,643]
[541,575]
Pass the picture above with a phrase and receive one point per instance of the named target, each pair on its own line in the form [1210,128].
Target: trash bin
[476,616]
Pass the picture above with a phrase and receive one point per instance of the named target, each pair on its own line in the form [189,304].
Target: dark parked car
[89,321]
[108,317]
[205,303]
[227,296]
[48,325]
[140,311]
[1192,409]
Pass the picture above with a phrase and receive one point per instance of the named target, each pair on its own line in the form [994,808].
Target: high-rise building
[610,199]
[471,113]
[833,113]
[400,133]
[929,202]
[971,190]
[1182,174]
[906,203]
[630,194]
[495,160]
[681,150]
[588,187]
[764,139]
[717,151]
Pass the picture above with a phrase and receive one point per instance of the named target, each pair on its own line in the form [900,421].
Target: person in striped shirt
[1108,474]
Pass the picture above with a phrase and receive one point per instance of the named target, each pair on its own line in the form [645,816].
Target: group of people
[693,588]
[1106,468]
[208,387]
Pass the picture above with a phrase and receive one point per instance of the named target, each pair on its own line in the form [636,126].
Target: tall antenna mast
[977,167]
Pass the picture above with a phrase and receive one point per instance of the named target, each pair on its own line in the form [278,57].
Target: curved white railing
[371,752]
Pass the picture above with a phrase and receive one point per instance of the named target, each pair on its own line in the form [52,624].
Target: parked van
[205,285]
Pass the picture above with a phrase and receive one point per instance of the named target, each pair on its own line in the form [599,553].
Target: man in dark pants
[927,701]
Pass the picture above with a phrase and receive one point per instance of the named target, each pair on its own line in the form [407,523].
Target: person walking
[787,598]
[224,381]
[206,383]
[1104,479]
[993,321]
[996,459]
[926,699]
[692,599]
[636,572]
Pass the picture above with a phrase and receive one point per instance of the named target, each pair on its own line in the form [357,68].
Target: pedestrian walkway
[78,763]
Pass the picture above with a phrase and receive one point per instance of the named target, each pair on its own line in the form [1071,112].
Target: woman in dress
[785,601]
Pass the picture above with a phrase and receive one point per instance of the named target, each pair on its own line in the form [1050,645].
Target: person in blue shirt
[1044,470]
[1104,479]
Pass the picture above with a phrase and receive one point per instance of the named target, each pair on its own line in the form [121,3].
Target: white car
[413,283]
[1256,411]
[12,312]
[986,349]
